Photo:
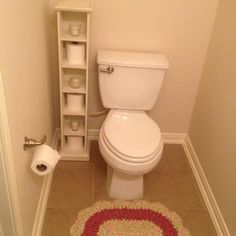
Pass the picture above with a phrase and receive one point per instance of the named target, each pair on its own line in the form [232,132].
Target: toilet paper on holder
[44,160]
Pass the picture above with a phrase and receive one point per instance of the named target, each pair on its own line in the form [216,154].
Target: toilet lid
[132,133]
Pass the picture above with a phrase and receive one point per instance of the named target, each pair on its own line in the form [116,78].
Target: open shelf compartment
[73,125]
[65,61]
[73,104]
[71,154]
[70,19]
[68,75]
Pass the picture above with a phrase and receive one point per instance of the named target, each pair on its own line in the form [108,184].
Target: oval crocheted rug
[126,218]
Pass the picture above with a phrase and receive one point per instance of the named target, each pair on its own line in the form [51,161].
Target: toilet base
[124,186]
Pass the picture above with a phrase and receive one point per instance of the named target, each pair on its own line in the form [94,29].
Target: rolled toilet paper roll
[74,143]
[75,53]
[44,160]
[75,102]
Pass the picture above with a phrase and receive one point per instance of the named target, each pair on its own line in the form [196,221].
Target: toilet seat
[129,159]
[132,136]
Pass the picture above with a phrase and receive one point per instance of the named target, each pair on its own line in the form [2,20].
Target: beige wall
[180,29]
[24,61]
[213,126]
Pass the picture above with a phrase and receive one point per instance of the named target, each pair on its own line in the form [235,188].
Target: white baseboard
[175,138]
[93,134]
[1,230]
[43,199]
[205,189]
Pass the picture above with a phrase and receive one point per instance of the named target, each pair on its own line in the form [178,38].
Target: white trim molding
[42,206]
[1,230]
[175,138]
[8,164]
[205,189]
[43,199]
[93,134]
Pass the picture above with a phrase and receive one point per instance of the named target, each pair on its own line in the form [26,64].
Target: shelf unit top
[74,5]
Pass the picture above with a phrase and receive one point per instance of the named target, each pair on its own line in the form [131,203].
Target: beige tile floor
[77,185]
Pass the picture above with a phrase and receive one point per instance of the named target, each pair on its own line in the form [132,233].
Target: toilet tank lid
[132,59]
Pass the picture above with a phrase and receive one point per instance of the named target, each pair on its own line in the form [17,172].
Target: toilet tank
[130,80]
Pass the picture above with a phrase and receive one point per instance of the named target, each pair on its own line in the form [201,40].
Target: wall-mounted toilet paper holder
[30,142]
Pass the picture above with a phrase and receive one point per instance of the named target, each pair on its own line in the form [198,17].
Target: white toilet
[130,141]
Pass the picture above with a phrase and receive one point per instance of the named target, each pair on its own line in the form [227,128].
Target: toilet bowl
[131,144]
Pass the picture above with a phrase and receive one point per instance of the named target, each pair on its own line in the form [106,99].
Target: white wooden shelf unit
[73,12]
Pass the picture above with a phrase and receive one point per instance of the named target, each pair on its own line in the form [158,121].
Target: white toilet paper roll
[74,143]
[44,160]
[75,53]
[75,102]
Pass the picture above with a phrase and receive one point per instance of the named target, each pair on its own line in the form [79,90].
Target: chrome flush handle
[108,70]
